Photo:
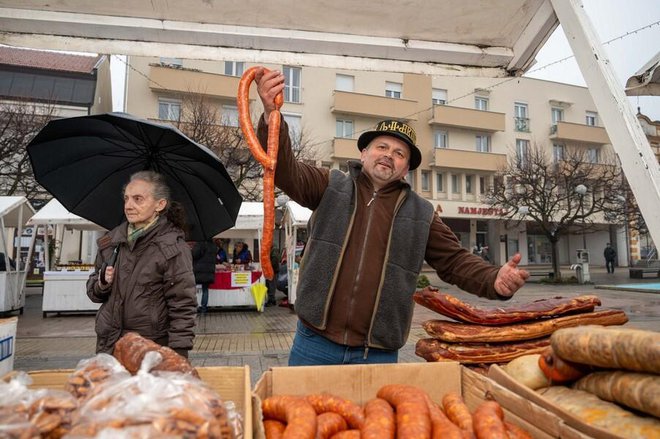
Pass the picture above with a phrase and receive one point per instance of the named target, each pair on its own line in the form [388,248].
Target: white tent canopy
[646,81]
[424,36]
[297,214]
[10,210]
[250,219]
[54,213]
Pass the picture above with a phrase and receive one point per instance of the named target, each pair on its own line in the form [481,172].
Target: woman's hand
[108,276]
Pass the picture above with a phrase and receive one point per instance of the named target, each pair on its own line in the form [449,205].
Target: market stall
[295,221]
[65,278]
[13,211]
[234,284]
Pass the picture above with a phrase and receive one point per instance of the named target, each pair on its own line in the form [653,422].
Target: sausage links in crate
[397,410]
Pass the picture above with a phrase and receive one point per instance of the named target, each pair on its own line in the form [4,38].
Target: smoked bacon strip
[470,333]
[435,350]
[456,309]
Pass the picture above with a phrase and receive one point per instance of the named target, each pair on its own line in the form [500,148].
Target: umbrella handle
[110,263]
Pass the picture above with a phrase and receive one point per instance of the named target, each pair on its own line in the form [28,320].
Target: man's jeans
[311,349]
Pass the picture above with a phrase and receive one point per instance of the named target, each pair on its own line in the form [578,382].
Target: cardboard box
[231,383]
[7,343]
[360,383]
[498,375]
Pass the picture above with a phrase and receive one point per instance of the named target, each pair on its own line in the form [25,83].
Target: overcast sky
[611,19]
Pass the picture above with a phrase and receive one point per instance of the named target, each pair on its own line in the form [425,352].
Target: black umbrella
[86,161]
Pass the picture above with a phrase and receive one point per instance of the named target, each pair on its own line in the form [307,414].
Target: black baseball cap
[397,129]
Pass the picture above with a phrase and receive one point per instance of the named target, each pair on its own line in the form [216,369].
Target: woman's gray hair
[160,187]
[173,210]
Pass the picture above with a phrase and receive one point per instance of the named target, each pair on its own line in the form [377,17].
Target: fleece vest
[329,229]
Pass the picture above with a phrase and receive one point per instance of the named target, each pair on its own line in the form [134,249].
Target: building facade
[466,128]
[53,85]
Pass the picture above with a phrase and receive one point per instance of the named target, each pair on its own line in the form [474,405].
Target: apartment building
[466,128]
[60,85]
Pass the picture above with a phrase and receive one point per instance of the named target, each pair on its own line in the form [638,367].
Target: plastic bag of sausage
[169,404]
[27,413]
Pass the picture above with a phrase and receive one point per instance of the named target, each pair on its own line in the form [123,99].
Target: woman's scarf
[133,233]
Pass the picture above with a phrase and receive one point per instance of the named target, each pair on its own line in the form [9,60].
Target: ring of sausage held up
[268,160]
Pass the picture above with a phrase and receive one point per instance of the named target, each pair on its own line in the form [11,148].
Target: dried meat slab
[456,309]
[474,353]
[472,333]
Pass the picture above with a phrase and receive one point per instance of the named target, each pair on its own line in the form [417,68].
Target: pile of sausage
[398,410]
[499,335]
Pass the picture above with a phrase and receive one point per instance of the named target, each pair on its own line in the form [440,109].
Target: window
[426,181]
[234,68]
[393,90]
[455,184]
[344,128]
[592,118]
[522,150]
[169,109]
[292,84]
[230,115]
[481,103]
[176,62]
[557,152]
[438,182]
[593,155]
[521,119]
[344,82]
[410,178]
[439,96]
[468,184]
[482,185]
[441,139]
[482,143]
[295,132]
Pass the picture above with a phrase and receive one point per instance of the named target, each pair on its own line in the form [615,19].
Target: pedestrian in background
[204,257]
[221,254]
[143,276]
[610,256]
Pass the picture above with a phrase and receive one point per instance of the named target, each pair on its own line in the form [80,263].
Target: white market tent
[56,215]
[13,211]
[250,220]
[295,217]
[453,37]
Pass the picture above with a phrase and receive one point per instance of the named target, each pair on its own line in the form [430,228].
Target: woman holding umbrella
[144,277]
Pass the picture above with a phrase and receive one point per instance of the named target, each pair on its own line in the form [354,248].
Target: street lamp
[581,190]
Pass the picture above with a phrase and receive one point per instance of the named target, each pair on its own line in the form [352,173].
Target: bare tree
[19,123]
[535,187]
[203,123]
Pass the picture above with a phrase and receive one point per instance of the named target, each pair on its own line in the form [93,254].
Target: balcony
[468,118]
[460,159]
[169,79]
[521,124]
[579,133]
[345,148]
[373,106]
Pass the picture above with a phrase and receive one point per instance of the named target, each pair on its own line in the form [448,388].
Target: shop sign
[241,279]
[483,211]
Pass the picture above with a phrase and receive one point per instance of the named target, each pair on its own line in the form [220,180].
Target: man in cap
[367,240]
